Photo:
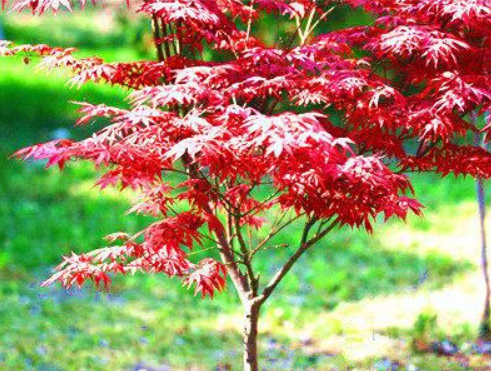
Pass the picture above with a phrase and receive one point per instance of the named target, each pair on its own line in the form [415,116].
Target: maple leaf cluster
[323,132]
[440,50]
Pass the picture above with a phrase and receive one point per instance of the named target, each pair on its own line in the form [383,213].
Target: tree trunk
[251,319]
[484,327]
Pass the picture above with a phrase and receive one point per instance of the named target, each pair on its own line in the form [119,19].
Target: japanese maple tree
[316,131]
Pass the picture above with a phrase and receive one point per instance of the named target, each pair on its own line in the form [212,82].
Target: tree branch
[226,252]
[305,244]
[252,282]
[274,231]
[156,38]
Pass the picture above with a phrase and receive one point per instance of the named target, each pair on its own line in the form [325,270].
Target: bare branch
[274,231]
[262,203]
[309,30]
[161,56]
[251,279]
[226,252]
[304,246]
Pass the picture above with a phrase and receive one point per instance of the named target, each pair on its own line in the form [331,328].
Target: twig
[304,246]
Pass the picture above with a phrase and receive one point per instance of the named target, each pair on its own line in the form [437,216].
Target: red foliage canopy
[309,126]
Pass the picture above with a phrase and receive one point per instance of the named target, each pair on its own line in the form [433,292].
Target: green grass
[336,295]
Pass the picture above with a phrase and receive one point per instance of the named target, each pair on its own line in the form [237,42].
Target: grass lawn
[350,302]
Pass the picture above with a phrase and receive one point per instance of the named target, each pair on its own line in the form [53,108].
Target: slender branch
[298,23]
[238,233]
[306,230]
[165,34]
[251,277]
[297,30]
[180,28]
[321,225]
[274,232]
[226,252]
[305,33]
[312,28]
[196,252]
[175,171]
[209,238]
[230,231]
[304,246]
[249,22]
[420,147]
[280,216]
[227,256]
[259,205]
[156,38]
[173,34]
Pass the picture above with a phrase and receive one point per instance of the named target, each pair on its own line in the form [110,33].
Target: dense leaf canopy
[326,125]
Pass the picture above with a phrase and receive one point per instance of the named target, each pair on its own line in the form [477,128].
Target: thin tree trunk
[251,319]
[484,327]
